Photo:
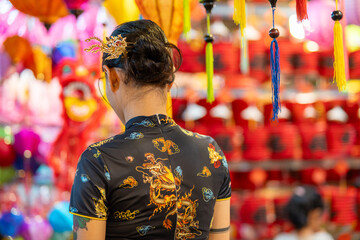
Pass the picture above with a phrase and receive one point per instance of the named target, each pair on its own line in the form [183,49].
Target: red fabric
[229,140]
[255,146]
[313,141]
[283,137]
[340,139]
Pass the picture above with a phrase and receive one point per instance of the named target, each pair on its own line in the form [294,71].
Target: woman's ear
[113,78]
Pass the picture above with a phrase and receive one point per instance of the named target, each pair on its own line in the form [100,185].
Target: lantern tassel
[339,60]
[187,19]
[240,16]
[275,77]
[301,10]
[210,72]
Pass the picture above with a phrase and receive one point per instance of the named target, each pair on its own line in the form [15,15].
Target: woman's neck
[147,105]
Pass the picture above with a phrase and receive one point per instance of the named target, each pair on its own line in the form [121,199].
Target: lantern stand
[209,4]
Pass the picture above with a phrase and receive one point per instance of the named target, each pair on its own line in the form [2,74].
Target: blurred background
[52,108]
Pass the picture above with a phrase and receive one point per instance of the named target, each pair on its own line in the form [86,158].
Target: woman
[156,180]
[305,211]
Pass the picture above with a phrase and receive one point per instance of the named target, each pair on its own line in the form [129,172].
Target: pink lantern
[321,24]
[26,140]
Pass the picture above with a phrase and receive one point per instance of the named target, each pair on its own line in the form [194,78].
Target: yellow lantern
[168,14]
[128,9]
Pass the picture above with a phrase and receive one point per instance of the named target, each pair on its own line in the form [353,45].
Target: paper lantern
[168,14]
[255,147]
[283,138]
[48,11]
[19,50]
[26,140]
[314,144]
[128,9]
[75,4]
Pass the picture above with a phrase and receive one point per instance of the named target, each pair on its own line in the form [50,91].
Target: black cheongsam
[154,181]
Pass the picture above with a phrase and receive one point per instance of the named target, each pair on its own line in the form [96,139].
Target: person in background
[305,211]
[156,180]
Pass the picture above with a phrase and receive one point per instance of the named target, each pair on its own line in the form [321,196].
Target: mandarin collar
[155,119]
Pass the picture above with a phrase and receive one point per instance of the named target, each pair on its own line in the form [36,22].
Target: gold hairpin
[115,46]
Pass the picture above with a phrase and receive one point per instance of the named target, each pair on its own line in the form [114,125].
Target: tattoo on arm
[219,230]
[79,223]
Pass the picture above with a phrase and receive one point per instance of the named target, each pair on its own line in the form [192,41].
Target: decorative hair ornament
[115,46]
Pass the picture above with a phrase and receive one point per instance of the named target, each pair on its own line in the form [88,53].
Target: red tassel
[301,10]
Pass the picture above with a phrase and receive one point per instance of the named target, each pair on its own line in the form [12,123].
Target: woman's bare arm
[89,229]
[220,229]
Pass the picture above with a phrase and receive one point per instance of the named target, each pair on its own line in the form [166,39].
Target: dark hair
[150,57]
[304,200]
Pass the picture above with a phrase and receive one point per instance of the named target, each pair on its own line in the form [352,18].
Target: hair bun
[149,59]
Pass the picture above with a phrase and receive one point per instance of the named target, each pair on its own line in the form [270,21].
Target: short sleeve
[88,193]
[225,188]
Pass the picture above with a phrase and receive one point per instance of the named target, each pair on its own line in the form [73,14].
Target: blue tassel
[275,78]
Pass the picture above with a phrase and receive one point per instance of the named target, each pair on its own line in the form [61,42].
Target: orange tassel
[301,10]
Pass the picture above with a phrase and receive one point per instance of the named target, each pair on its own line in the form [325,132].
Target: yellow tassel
[240,15]
[339,60]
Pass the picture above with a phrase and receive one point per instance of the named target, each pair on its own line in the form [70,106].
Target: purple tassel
[275,78]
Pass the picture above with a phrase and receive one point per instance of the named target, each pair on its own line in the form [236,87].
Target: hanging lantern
[75,6]
[48,11]
[128,9]
[19,50]
[168,14]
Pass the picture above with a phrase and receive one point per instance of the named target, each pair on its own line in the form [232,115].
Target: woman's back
[155,181]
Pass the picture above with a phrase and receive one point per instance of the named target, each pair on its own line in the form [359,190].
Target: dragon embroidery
[166,146]
[165,194]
